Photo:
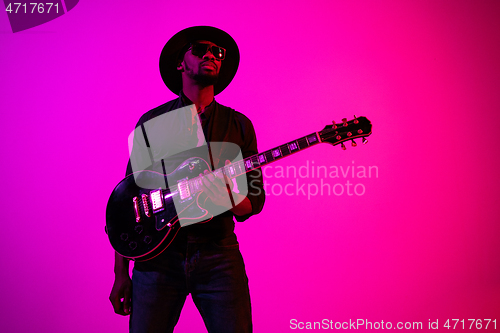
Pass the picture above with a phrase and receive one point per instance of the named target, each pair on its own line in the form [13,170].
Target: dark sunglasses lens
[218,52]
[199,50]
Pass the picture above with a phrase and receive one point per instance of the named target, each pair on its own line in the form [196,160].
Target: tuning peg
[356,121]
[334,125]
[343,146]
[365,141]
[344,120]
[353,143]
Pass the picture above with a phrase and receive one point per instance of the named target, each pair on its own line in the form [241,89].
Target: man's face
[204,69]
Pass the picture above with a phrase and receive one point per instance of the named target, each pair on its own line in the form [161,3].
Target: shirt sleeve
[254,179]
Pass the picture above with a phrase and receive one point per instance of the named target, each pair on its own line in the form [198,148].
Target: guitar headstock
[359,127]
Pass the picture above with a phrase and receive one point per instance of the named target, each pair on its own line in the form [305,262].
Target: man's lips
[209,64]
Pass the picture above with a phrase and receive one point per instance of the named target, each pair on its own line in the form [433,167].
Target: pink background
[420,244]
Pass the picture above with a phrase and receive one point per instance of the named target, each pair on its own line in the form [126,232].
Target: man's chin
[206,79]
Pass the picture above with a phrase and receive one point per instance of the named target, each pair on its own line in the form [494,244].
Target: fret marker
[293,146]
[276,153]
[311,138]
[248,164]
[262,158]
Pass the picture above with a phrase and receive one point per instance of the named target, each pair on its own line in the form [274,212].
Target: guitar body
[138,232]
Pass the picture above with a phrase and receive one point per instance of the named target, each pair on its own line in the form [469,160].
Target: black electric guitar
[142,221]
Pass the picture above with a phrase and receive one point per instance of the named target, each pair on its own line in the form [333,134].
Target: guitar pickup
[157,203]
[183,186]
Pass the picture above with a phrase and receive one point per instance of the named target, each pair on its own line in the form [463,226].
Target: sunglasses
[200,49]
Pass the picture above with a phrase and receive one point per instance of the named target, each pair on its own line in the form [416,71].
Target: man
[204,259]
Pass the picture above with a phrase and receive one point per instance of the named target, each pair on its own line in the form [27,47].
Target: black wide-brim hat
[170,55]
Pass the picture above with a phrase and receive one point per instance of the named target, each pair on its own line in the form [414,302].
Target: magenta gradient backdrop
[421,243]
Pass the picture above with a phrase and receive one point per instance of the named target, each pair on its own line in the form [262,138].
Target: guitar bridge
[145,205]
[136,209]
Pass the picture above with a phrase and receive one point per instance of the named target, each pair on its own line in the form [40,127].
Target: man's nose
[208,55]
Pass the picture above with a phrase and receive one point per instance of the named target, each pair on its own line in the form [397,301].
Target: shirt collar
[208,109]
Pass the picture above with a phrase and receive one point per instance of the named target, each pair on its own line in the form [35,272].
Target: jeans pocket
[228,243]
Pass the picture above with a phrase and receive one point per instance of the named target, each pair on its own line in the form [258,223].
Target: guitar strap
[149,149]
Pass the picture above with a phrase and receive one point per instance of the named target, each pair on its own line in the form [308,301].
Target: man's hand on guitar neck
[218,189]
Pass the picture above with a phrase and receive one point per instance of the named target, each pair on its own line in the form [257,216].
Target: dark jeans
[213,272]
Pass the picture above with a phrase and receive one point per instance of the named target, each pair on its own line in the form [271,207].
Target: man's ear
[180,66]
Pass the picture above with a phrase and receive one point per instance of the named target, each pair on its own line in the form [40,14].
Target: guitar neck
[261,159]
